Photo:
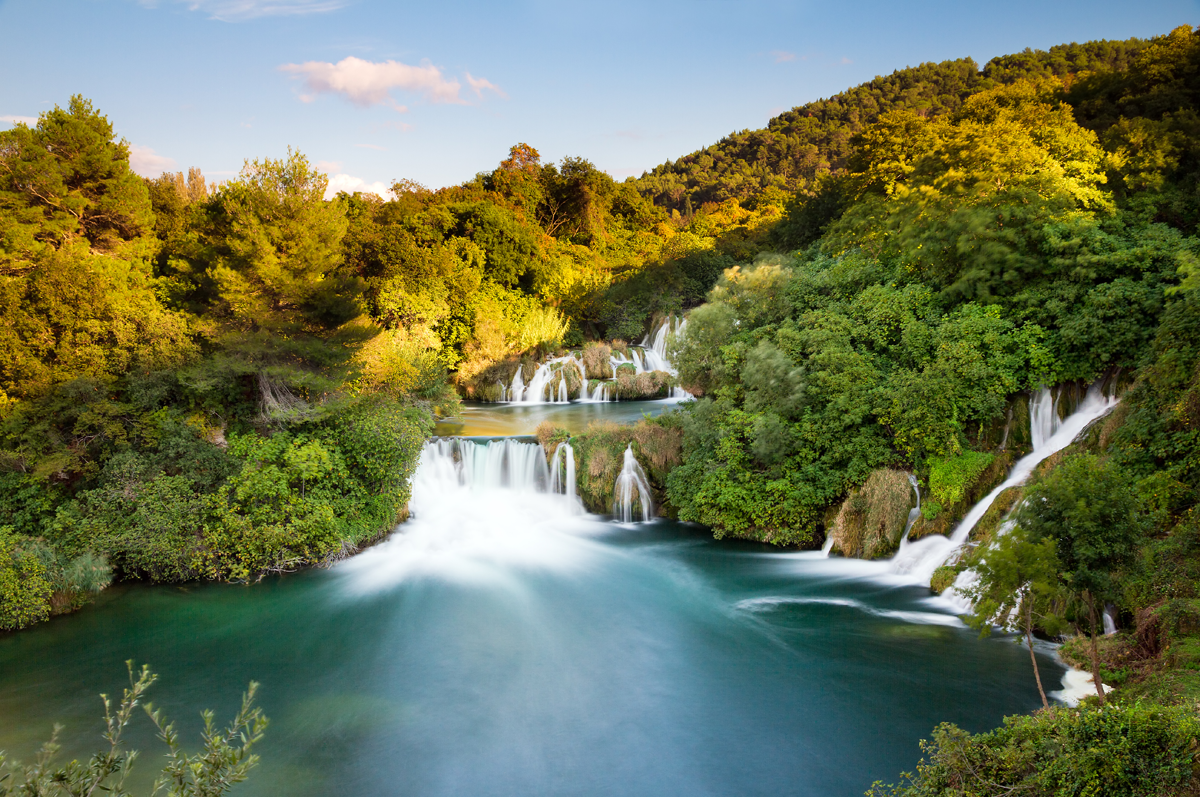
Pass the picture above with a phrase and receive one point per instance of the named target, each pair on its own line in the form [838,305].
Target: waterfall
[507,463]
[541,389]
[1049,435]
[517,390]
[632,477]
[827,547]
[1110,622]
[562,477]
[913,513]
[654,348]
[655,345]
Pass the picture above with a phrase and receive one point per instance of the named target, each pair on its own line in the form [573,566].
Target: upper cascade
[550,383]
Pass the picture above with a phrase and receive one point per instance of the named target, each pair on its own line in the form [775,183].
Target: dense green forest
[220,381]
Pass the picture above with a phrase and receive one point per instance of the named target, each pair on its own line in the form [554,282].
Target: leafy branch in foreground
[225,760]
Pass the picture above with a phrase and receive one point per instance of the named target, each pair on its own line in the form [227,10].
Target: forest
[222,381]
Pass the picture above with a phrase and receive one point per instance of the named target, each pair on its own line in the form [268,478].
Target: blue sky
[377,91]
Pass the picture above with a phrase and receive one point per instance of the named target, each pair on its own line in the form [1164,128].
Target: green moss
[943,579]
[950,478]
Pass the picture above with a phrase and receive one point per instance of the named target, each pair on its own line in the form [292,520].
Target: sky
[372,92]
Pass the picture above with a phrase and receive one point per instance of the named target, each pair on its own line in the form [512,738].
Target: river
[504,644]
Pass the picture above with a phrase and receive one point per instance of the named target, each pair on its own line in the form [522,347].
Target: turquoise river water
[502,643]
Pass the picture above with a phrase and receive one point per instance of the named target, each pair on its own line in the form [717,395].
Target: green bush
[1131,751]
[25,589]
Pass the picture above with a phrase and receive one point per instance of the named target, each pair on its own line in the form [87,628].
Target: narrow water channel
[502,644]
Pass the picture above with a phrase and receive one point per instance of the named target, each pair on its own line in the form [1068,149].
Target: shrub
[1133,751]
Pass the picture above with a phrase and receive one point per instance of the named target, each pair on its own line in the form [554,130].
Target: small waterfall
[654,348]
[827,547]
[562,476]
[541,389]
[913,513]
[1049,435]
[655,345]
[516,392]
[632,477]
[1110,622]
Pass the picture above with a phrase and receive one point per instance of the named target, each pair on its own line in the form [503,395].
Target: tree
[66,180]
[1091,513]
[1015,576]
[278,248]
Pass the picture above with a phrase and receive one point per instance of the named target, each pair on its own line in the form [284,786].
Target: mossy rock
[986,528]
[946,519]
[942,579]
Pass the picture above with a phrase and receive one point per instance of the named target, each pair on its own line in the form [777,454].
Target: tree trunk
[1095,652]
[1029,641]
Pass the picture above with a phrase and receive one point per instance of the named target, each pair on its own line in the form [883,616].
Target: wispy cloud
[367,83]
[148,163]
[846,60]
[12,120]
[329,166]
[372,146]
[240,10]
[351,184]
[479,84]
[782,56]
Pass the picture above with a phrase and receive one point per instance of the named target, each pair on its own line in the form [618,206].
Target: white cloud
[350,184]
[238,10]
[147,162]
[782,56]
[329,166]
[372,146]
[12,120]
[366,83]
[479,84]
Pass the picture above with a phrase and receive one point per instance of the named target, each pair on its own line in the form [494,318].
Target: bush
[1132,751]
[24,588]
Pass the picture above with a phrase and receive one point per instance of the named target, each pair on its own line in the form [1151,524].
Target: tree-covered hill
[797,147]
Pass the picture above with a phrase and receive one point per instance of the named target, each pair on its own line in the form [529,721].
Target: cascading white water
[562,474]
[541,388]
[516,391]
[655,345]
[506,463]
[913,513]
[631,478]
[1048,435]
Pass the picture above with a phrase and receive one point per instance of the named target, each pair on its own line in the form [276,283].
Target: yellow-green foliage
[951,477]
[871,519]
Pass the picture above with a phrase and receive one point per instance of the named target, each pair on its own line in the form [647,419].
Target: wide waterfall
[1048,434]
[632,478]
